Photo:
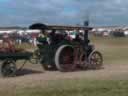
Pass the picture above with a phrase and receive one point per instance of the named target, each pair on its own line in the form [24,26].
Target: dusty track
[34,75]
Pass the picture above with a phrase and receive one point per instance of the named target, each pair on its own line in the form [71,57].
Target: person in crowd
[8,43]
[43,37]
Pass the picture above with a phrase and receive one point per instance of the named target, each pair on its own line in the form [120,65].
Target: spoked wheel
[95,60]
[64,58]
[8,68]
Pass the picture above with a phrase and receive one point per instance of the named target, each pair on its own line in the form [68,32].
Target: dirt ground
[33,75]
[115,68]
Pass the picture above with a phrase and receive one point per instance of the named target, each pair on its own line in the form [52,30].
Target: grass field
[77,88]
[114,51]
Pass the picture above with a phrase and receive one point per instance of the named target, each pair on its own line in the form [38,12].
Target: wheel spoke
[8,69]
[95,60]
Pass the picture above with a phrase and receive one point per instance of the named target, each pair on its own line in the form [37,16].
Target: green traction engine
[58,51]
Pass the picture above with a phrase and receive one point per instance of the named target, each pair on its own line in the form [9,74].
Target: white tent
[7,31]
[32,31]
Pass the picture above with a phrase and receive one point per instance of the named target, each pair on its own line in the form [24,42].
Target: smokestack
[86,41]
[86,23]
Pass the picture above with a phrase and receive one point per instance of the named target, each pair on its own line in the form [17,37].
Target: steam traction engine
[65,54]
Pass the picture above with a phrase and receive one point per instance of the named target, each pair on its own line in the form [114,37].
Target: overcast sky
[99,12]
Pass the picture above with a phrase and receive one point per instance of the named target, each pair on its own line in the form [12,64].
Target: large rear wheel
[64,58]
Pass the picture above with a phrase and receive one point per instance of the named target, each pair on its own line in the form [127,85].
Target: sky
[64,12]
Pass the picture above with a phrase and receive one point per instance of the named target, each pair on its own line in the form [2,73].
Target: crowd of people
[45,37]
[21,38]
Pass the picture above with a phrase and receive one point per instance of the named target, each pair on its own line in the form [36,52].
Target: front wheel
[64,58]
[95,60]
